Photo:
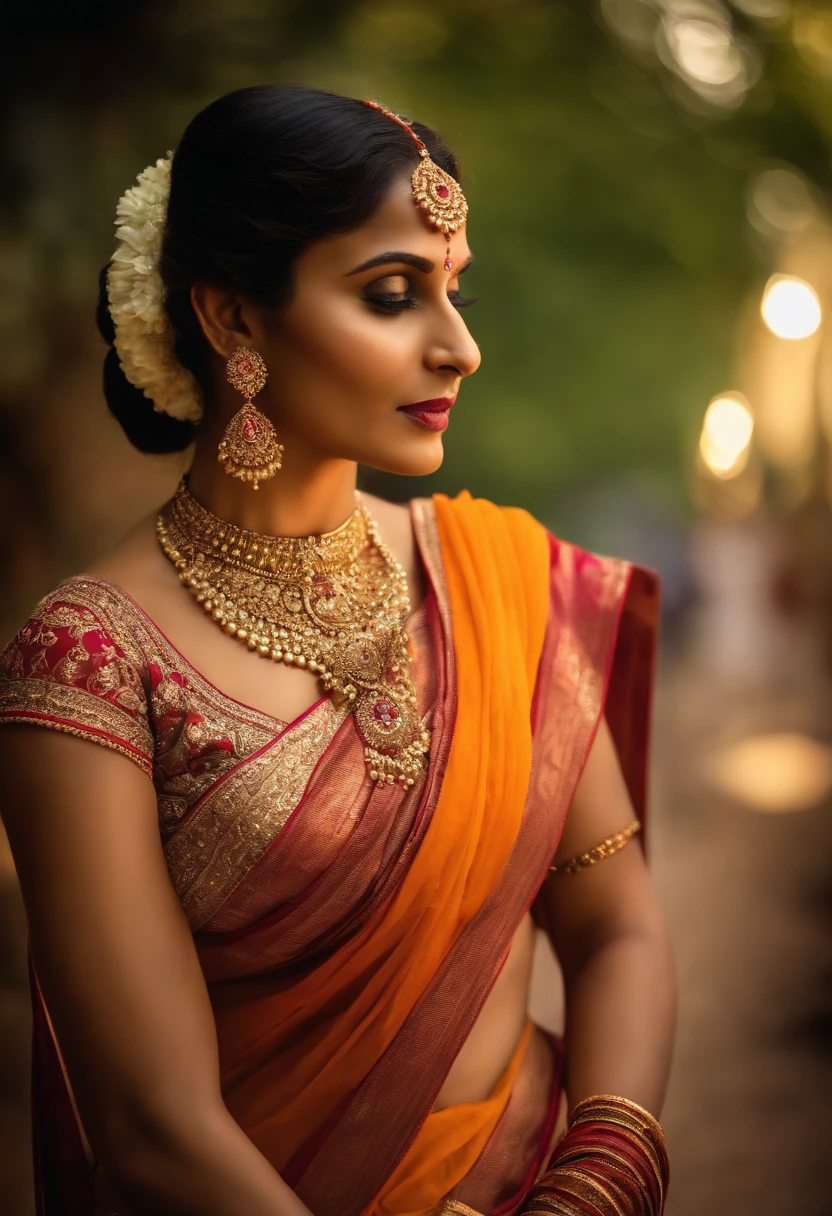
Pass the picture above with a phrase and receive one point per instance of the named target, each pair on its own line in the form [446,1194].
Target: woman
[282,920]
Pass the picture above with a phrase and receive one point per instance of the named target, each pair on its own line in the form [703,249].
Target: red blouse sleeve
[65,671]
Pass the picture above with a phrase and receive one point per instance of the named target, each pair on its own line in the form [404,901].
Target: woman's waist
[497,1031]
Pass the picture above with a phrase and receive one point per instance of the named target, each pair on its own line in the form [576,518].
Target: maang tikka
[249,448]
[438,195]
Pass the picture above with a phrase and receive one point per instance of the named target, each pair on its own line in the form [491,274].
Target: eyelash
[396,304]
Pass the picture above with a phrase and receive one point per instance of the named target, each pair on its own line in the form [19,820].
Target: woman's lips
[433,415]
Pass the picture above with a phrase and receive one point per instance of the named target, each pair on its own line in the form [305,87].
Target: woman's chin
[411,460]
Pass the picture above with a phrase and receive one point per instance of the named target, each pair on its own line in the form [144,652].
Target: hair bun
[146,428]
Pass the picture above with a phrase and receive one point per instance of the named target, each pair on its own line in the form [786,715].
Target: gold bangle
[586,1187]
[636,1122]
[549,1205]
[641,1117]
[653,1143]
[657,1161]
[607,848]
[610,1154]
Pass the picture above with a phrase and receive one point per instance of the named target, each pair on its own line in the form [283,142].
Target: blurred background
[649,184]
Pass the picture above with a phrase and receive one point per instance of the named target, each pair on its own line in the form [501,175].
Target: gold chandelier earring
[249,448]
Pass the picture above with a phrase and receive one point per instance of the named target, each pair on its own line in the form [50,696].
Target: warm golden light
[726,435]
[791,308]
[705,50]
[774,773]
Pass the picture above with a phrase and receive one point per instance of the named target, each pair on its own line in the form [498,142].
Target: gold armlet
[607,848]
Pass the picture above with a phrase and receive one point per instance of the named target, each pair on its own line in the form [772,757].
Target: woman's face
[373,327]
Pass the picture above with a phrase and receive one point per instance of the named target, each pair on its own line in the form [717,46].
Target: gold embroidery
[66,729]
[103,671]
[132,630]
[79,713]
[200,732]
[232,828]
[198,737]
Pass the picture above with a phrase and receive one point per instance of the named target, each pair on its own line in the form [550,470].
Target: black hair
[258,175]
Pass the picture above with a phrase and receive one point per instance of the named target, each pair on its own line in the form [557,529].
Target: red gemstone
[448,264]
[443,191]
[250,429]
[385,712]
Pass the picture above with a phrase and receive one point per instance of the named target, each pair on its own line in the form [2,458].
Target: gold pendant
[439,196]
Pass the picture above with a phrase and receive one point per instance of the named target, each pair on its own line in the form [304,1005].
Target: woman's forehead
[396,224]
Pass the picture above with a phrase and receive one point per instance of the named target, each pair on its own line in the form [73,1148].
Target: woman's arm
[609,935]
[117,965]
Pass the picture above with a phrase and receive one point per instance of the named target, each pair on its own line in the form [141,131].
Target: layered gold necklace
[333,604]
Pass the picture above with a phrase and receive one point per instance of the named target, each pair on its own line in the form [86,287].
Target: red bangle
[612,1161]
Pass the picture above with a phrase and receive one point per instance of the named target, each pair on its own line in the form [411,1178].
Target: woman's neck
[304,498]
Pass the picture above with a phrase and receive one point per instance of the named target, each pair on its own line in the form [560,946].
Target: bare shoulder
[137,565]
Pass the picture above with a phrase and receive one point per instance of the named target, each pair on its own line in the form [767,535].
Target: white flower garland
[144,336]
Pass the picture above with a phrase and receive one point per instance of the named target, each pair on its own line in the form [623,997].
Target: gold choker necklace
[333,604]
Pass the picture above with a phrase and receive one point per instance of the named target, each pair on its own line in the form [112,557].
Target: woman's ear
[222,317]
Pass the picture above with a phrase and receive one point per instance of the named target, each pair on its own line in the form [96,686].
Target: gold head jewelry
[333,604]
[249,448]
[435,192]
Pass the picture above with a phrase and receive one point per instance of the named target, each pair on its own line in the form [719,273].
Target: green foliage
[608,208]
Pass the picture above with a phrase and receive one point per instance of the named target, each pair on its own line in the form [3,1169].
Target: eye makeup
[392,302]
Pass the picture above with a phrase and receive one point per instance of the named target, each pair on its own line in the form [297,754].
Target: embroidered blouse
[91,663]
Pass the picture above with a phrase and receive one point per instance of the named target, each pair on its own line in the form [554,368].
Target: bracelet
[635,1116]
[580,1188]
[584,1185]
[635,1169]
[641,1133]
[611,1161]
[607,848]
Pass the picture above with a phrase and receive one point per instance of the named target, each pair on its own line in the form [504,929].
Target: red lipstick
[433,414]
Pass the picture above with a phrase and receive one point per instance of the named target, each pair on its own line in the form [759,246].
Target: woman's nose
[456,351]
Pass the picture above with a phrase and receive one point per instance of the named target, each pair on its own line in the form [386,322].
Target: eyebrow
[425,265]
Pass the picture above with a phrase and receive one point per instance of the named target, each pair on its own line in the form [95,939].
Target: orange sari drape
[496,564]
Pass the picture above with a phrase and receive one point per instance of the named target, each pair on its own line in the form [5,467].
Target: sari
[349,933]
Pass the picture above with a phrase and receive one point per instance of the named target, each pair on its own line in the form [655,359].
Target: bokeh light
[706,51]
[791,308]
[774,773]
[727,429]
[780,201]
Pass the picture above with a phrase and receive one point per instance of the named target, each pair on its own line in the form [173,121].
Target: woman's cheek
[372,356]
[355,344]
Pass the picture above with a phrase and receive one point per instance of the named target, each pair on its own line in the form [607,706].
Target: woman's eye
[391,303]
[390,294]
[398,295]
